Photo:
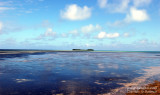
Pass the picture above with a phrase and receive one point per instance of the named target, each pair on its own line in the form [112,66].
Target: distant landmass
[83,49]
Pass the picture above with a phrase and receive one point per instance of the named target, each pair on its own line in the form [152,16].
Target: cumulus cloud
[75,12]
[86,31]
[129,7]
[90,28]
[47,34]
[134,15]
[119,7]
[137,15]
[103,35]
[113,35]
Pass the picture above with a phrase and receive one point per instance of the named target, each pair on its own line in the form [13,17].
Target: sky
[66,24]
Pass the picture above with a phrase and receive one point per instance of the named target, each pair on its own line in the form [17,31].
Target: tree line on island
[82,49]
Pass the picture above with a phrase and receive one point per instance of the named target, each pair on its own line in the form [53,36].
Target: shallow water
[73,73]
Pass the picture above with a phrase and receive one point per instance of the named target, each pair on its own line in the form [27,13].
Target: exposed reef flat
[12,51]
[25,51]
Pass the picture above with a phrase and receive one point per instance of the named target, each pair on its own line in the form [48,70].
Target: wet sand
[151,74]
[149,89]
[30,51]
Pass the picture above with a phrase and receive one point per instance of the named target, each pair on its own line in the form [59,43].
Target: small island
[82,49]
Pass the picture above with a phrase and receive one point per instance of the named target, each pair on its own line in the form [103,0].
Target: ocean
[75,73]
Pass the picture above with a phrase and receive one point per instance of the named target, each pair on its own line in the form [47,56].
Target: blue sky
[67,24]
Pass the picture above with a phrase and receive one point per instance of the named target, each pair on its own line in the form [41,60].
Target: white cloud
[119,7]
[2,9]
[4,6]
[47,34]
[131,8]
[113,35]
[75,12]
[134,15]
[102,3]
[137,15]
[85,31]
[90,28]
[103,35]
[138,3]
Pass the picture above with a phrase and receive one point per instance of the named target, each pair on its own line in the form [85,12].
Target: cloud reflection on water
[23,80]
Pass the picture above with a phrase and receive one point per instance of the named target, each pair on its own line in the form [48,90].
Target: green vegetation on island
[82,49]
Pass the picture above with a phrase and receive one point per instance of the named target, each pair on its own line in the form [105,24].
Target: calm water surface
[85,73]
